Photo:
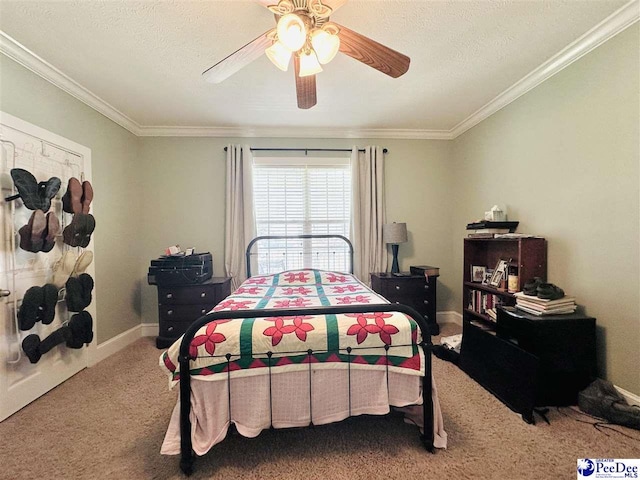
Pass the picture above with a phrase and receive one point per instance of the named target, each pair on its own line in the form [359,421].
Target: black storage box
[181,269]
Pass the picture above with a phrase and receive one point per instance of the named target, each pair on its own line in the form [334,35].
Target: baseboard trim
[631,398]
[117,343]
[449,317]
[149,329]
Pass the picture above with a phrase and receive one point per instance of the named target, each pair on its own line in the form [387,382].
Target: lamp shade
[394,233]
[292,32]
[279,55]
[309,64]
[325,45]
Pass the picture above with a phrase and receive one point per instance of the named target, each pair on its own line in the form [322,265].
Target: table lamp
[394,234]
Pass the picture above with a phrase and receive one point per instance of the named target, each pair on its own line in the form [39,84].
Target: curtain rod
[305,150]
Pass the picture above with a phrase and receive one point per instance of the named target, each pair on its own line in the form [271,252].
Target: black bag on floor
[601,399]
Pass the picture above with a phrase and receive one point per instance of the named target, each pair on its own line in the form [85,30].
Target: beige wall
[117,205]
[184,199]
[564,161]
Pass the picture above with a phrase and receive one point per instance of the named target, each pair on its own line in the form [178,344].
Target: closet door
[45,155]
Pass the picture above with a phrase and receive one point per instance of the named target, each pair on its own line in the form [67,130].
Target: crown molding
[615,23]
[28,59]
[609,27]
[301,132]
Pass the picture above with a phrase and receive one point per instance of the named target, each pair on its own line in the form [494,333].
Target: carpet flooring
[108,422]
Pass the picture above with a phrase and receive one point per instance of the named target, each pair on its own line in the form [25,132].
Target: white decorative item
[497,215]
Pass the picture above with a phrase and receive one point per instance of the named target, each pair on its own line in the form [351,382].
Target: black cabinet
[180,305]
[531,361]
[416,291]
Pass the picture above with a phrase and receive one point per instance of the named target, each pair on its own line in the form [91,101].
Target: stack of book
[539,306]
[487,229]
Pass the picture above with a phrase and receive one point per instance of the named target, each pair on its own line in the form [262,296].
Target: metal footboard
[187,454]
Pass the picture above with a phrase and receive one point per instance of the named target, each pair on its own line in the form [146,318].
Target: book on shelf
[484,302]
[534,299]
[487,230]
[555,311]
[480,235]
[515,235]
[545,308]
[425,270]
[510,226]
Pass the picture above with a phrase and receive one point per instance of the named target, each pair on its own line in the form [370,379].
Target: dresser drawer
[399,287]
[183,313]
[420,304]
[173,329]
[185,295]
[414,291]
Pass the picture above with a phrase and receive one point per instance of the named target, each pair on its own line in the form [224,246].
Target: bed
[296,348]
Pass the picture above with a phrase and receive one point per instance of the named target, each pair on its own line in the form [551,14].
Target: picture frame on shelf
[487,276]
[478,273]
[499,274]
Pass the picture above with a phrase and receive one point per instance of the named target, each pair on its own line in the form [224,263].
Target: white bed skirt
[250,406]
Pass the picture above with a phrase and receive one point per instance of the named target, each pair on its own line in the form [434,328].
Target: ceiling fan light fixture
[325,44]
[279,55]
[292,32]
[309,64]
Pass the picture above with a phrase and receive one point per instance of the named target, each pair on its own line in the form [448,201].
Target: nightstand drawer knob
[397,287]
[169,295]
[170,329]
[397,303]
[426,287]
[169,312]
[426,302]
[203,311]
[203,294]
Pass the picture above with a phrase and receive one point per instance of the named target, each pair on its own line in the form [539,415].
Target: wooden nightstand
[416,291]
[180,305]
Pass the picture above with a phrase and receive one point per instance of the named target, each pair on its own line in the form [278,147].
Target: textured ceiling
[145,58]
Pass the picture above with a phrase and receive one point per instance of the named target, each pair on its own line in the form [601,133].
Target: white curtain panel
[239,214]
[368,215]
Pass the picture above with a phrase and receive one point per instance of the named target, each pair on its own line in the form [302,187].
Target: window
[294,196]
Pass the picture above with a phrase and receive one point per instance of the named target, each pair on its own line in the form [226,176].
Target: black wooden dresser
[180,305]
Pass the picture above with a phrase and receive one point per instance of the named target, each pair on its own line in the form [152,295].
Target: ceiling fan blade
[372,53]
[305,87]
[238,59]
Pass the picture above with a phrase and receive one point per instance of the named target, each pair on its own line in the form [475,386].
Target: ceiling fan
[303,31]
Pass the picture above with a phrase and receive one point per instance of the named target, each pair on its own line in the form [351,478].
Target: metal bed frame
[253,242]
[186,451]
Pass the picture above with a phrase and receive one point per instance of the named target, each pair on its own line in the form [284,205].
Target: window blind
[302,196]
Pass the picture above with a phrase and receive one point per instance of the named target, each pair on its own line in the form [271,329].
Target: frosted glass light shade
[279,55]
[325,45]
[291,32]
[309,64]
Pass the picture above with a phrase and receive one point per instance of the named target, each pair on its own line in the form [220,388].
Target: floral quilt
[283,343]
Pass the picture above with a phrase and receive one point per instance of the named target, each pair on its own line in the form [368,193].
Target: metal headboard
[296,237]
